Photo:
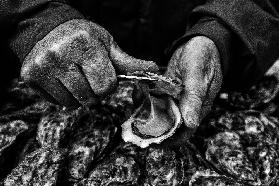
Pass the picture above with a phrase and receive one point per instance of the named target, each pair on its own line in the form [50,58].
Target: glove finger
[99,71]
[124,63]
[53,90]
[75,82]
[193,95]
[212,90]
[194,86]
[190,107]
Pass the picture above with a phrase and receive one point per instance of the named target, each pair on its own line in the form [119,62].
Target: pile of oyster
[46,144]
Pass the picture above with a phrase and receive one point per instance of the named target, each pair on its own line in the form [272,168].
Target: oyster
[89,146]
[41,167]
[117,170]
[242,145]
[259,95]
[163,167]
[13,136]
[208,177]
[158,117]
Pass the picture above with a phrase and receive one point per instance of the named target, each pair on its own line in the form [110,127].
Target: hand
[197,65]
[77,62]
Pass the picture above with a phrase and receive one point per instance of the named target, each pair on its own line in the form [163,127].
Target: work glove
[77,63]
[196,65]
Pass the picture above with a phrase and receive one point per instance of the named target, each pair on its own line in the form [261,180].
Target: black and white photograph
[139,93]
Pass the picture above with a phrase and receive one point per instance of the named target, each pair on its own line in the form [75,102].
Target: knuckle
[81,38]
[70,49]
[35,68]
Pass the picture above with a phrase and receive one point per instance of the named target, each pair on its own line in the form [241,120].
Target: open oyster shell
[157,118]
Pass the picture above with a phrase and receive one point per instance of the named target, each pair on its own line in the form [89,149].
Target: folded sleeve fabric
[246,33]
[26,22]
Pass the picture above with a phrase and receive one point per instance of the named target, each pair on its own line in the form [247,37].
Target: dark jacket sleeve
[246,33]
[26,22]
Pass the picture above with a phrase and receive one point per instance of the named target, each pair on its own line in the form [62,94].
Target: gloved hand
[77,62]
[197,65]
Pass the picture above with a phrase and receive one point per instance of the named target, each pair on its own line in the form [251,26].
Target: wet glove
[77,62]
[196,65]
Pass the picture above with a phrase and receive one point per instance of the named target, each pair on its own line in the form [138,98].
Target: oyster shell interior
[158,116]
[154,121]
[154,111]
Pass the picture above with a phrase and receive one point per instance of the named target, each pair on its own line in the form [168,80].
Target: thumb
[190,104]
[123,63]
[189,70]
[199,68]
[199,91]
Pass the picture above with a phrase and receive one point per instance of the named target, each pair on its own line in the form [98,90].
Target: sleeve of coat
[246,33]
[25,22]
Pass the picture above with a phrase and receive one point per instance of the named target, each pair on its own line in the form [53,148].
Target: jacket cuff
[211,28]
[33,29]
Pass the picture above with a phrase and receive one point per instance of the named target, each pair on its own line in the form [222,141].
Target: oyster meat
[157,118]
